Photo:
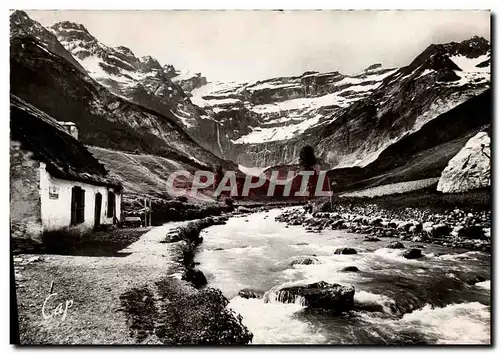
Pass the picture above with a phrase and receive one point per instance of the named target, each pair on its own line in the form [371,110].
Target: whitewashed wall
[56,212]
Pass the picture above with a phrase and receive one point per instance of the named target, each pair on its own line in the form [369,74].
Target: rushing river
[397,301]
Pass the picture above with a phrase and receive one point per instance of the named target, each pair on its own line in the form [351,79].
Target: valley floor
[100,290]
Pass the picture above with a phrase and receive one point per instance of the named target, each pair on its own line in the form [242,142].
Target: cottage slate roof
[65,156]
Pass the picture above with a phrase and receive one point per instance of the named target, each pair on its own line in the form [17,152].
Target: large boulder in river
[413,253]
[470,168]
[305,260]
[350,269]
[345,250]
[395,245]
[473,232]
[335,297]
[441,230]
[251,294]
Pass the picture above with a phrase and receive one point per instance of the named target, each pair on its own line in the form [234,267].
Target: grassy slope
[143,175]
[428,163]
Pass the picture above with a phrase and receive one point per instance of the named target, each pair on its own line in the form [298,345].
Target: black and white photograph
[250,177]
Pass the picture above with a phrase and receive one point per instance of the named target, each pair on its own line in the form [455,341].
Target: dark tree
[307,159]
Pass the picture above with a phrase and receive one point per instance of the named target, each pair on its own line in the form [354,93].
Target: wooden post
[150,211]
[147,212]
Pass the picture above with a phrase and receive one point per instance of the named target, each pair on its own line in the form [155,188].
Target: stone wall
[25,202]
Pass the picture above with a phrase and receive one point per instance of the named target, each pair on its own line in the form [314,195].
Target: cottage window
[111,204]
[77,205]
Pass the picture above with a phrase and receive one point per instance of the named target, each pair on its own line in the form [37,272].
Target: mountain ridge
[55,85]
[350,120]
[281,113]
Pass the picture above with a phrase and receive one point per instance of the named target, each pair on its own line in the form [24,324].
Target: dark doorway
[97,214]
[77,205]
[111,205]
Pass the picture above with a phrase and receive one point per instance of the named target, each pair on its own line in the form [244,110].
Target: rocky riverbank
[214,322]
[453,228]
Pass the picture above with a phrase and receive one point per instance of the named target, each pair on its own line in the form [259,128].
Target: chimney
[70,128]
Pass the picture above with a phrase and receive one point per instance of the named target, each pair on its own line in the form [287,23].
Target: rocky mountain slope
[349,119]
[140,80]
[22,26]
[382,125]
[56,85]
[424,153]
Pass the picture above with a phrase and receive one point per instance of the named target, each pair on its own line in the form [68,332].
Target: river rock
[441,230]
[473,232]
[345,250]
[392,224]
[243,209]
[338,224]
[375,221]
[359,219]
[417,227]
[388,233]
[371,239]
[251,294]
[404,226]
[195,277]
[475,280]
[350,269]
[335,297]
[428,227]
[413,253]
[306,260]
[395,245]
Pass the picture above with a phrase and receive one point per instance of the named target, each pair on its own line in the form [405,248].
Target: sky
[252,45]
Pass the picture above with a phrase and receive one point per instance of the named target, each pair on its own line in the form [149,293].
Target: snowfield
[469,64]
[259,135]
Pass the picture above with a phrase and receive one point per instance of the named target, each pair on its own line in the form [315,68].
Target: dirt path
[88,289]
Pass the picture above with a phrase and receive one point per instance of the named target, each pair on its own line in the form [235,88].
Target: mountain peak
[149,63]
[19,16]
[374,67]
[67,29]
[124,50]
[437,56]
[22,26]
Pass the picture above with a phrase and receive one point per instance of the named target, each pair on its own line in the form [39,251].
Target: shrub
[64,241]
[198,318]
[178,316]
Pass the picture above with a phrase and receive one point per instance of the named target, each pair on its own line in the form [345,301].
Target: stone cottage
[55,182]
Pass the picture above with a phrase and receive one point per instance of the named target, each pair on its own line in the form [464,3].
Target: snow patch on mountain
[470,64]
[261,135]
